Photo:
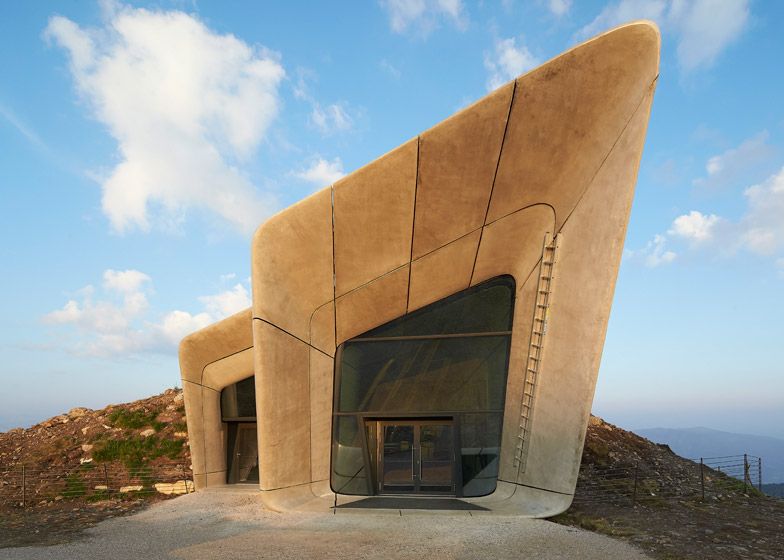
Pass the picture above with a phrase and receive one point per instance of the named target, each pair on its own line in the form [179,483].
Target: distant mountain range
[704,442]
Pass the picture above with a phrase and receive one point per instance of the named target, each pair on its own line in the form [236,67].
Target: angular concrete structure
[432,324]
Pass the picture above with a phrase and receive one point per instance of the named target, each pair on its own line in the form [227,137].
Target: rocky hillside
[633,489]
[629,487]
[135,434]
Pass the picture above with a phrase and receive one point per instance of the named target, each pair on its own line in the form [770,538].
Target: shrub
[135,419]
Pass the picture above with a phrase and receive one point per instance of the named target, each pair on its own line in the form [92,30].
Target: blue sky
[141,143]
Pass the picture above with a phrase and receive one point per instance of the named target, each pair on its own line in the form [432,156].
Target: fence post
[106,477]
[702,478]
[24,487]
[759,473]
[745,471]
[634,493]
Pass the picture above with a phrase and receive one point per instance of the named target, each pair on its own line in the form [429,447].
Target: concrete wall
[554,152]
[211,359]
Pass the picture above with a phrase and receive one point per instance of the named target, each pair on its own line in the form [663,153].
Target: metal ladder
[533,365]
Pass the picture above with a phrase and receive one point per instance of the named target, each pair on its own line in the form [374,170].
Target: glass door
[416,457]
[244,454]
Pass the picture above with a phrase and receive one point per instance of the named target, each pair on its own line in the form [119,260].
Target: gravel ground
[213,525]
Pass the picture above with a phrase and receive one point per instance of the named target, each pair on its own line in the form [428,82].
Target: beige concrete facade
[553,154]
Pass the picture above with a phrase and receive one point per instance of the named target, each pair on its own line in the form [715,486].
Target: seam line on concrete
[610,151]
[456,239]
[291,335]
[413,225]
[537,488]
[334,268]
[199,385]
[310,417]
[284,487]
[201,378]
[310,322]
[550,206]
[495,176]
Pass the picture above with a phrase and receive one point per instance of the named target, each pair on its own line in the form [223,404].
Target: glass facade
[238,411]
[238,401]
[440,370]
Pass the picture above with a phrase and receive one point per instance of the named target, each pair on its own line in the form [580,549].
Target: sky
[142,143]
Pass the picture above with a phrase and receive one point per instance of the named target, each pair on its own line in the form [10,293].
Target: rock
[136,488]
[179,487]
[101,488]
[78,412]
[85,430]
[181,434]
[178,398]
[84,460]
[86,447]
[147,433]
[595,421]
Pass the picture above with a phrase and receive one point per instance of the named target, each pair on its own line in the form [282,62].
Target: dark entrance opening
[419,401]
[238,411]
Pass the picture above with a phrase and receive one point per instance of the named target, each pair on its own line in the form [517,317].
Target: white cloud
[559,7]
[654,254]
[695,226]
[186,106]
[762,226]
[335,117]
[226,303]
[322,172]
[332,118]
[759,230]
[703,28]
[733,164]
[507,62]
[124,281]
[119,322]
[176,325]
[424,15]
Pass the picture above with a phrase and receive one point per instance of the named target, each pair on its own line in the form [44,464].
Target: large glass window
[238,401]
[448,360]
[238,410]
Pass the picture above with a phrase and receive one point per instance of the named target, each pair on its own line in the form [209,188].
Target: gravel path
[215,525]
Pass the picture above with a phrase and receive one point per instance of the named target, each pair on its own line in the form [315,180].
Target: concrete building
[432,324]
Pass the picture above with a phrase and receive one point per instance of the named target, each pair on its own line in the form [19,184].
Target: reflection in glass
[243,453]
[454,374]
[448,360]
[349,473]
[398,471]
[239,400]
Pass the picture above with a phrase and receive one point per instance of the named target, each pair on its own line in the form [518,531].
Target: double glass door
[416,457]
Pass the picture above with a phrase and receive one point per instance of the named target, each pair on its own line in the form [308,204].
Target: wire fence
[25,486]
[646,483]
